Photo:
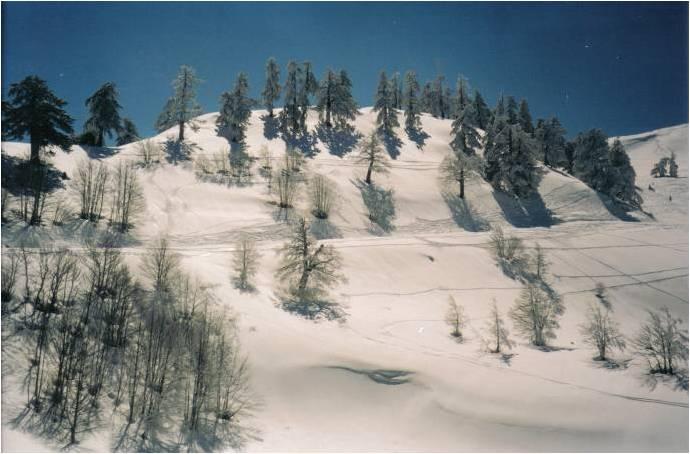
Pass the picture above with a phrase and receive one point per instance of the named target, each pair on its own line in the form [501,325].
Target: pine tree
[290,116]
[182,107]
[128,133]
[427,101]
[34,111]
[591,159]
[235,111]
[387,117]
[465,137]
[525,118]
[345,106]
[622,176]
[550,142]
[103,107]
[511,164]
[512,111]
[462,96]
[673,166]
[411,104]
[271,92]
[482,111]
[326,97]
[308,87]
[396,91]
[437,102]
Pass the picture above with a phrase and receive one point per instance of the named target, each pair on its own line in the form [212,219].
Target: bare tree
[161,265]
[128,197]
[373,155]
[91,181]
[509,249]
[536,313]
[148,152]
[245,260]
[456,168]
[286,186]
[601,332]
[662,342]
[322,196]
[498,333]
[539,263]
[308,269]
[4,203]
[8,280]
[455,318]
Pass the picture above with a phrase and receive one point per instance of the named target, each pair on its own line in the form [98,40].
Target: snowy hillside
[389,377]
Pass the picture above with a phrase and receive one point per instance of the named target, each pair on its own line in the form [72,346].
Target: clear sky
[619,67]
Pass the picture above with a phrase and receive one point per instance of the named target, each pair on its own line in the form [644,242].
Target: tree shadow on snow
[418,136]
[305,142]
[271,126]
[616,209]
[16,172]
[313,308]
[524,212]
[340,141]
[324,229]
[99,152]
[392,144]
[176,151]
[464,214]
[380,205]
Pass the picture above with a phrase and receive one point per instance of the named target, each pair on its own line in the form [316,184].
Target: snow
[389,377]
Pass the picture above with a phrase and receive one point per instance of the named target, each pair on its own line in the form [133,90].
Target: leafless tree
[128,197]
[245,260]
[308,269]
[90,181]
[322,196]
[455,318]
[286,186]
[373,156]
[148,152]
[601,332]
[8,280]
[161,265]
[536,314]
[662,342]
[497,331]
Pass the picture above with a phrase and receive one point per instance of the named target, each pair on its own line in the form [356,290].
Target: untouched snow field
[389,377]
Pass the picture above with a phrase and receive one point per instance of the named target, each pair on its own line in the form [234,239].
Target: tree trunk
[180,137]
[368,178]
[35,153]
[462,183]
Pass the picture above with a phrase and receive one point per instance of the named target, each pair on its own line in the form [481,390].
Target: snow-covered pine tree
[104,113]
[591,159]
[290,115]
[491,151]
[550,142]
[500,109]
[436,107]
[516,172]
[325,97]
[271,92]
[387,117]
[622,176]
[182,107]
[512,110]
[128,133]
[411,104]
[34,111]
[345,106]
[482,111]
[525,118]
[396,91]
[426,99]
[673,166]
[465,137]
[235,111]
[462,96]
[308,88]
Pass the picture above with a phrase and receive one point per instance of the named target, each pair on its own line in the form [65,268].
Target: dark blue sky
[620,67]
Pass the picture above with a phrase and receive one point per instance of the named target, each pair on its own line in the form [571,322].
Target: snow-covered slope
[389,378]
